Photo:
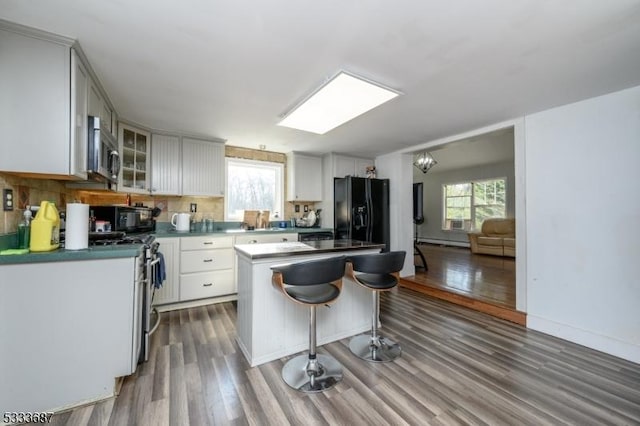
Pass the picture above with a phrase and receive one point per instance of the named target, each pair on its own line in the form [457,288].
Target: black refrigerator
[361,209]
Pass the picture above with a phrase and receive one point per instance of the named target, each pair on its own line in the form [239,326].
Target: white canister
[181,221]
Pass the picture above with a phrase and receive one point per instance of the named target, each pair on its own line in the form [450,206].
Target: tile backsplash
[28,191]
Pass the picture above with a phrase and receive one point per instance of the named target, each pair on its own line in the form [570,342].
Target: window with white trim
[253,185]
[467,204]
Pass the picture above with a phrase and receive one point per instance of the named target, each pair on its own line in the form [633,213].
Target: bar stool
[378,273]
[311,283]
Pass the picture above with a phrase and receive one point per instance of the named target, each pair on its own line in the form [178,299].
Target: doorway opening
[481,281]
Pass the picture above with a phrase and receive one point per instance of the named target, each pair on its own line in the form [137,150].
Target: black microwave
[126,218]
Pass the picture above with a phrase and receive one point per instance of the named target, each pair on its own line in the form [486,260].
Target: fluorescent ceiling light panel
[341,99]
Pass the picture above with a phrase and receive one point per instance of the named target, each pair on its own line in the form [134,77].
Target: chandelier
[424,162]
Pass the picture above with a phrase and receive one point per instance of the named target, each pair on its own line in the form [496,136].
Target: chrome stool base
[378,349]
[311,376]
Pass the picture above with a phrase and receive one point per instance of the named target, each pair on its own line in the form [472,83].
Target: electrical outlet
[306,208]
[194,207]
[297,208]
[7,199]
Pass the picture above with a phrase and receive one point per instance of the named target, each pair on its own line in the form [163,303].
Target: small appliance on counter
[181,222]
[308,220]
[125,218]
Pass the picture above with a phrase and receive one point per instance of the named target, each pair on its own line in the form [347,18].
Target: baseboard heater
[444,242]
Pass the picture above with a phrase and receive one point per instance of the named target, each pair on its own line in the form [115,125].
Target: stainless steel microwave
[103,159]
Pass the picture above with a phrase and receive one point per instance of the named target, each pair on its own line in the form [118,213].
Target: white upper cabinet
[134,159]
[41,108]
[350,166]
[79,131]
[304,177]
[99,107]
[202,168]
[166,165]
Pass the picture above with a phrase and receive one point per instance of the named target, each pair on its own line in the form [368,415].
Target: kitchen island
[269,326]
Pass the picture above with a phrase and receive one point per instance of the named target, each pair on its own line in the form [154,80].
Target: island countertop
[286,249]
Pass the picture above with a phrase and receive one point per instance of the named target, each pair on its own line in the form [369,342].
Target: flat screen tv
[418,216]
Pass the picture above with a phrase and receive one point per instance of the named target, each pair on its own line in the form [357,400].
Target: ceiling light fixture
[424,162]
[342,98]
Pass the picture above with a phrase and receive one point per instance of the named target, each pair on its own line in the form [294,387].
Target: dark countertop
[287,249]
[131,250]
[62,255]
[169,233]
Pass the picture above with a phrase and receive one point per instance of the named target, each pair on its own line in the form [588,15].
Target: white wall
[397,168]
[431,229]
[583,222]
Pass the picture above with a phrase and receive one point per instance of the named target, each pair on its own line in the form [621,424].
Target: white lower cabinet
[206,267]
[206,260]
[66,322]
[207,284]
[170,290]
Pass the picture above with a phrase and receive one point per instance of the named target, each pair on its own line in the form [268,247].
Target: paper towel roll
[77,227]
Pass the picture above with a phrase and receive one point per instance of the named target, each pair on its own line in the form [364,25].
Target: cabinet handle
[207,285]
[253,241]
[285,239]
[208,243]
[207,260]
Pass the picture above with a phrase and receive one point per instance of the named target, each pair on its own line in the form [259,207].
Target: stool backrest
[378,263]
[312,272]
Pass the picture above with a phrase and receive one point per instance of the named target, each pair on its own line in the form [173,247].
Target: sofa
[497,236]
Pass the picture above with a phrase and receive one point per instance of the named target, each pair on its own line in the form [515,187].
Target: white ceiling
[488,148]
[229,69]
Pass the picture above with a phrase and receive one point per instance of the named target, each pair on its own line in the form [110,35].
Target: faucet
[258,219]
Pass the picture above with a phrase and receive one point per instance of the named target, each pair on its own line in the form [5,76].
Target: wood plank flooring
[458,367]
[483,277]
[480,282]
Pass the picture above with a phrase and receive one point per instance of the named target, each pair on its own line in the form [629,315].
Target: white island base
[270,326]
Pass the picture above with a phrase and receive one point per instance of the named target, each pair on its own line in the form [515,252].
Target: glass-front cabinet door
[134,173]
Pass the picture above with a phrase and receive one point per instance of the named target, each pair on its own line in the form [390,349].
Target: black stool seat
[314,294]
[378,282]
[311,283]
[378,274]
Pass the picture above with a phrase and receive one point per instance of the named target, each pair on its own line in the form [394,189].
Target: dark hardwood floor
[457,367]
[482,282]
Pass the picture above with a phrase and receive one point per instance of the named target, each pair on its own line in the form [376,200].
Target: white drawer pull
[207,260]
[208,243]
[253,241]
[207,285]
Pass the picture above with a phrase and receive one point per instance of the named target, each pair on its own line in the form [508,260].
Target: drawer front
[207,284]
[205,243]
[206,260]
[266,238]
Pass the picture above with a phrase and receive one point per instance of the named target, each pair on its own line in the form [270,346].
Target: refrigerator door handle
[371,218]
